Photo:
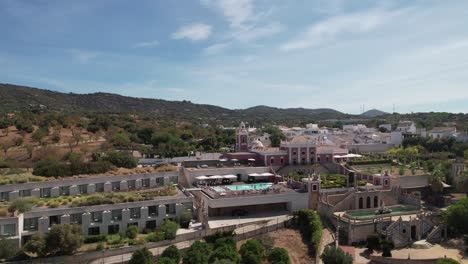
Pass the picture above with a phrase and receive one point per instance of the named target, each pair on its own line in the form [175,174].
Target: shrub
[63,239]
[373,242]
[141,256]
[226,252]
[250,258]
[121,159]
[333,255]
[279,256]
[166,261]
[252,246]
[54,204]
[3,212]
[7,249]
[36,244]
[198,253]
[266,241]
[169,228]
[172,253]
[100,246]
[387,247]
[219,234]
[21,205]
[94,238]
[456,216]
[447,261]
[184,219]
[155,236]
[311,227]
[131,232]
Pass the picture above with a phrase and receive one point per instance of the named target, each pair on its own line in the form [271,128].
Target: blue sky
[242,53]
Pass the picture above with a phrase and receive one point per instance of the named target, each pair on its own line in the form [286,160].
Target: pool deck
[214,193]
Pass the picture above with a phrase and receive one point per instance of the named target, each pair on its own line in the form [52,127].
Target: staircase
[435,236]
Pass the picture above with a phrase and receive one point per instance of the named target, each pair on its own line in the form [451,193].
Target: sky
[411,55]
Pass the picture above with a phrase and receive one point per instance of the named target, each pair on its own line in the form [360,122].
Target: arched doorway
[360,203]
[376,202]
[368,202]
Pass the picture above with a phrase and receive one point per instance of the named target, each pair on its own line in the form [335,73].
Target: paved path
[327,239]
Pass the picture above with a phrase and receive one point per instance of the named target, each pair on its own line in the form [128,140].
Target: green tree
[373,242]
[141,256]
[120,140]
[276,135]
[250,258]
[36,244]
[7,248]
[252,246]
[198,253]
[169,228]
[131,232]
[456,216]
[225,252]
[121,159]
[279,256]
[387,247]
[172,253]
[64,239]
[447,261]
[165,260]
[333,255]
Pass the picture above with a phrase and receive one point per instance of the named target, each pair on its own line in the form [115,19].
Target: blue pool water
[218,189]
[246,187]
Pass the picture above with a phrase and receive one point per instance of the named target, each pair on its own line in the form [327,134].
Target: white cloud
[146,44]
[330,28]
[253,33]
[193,32]
[215,48]
[237,12]
[83,56]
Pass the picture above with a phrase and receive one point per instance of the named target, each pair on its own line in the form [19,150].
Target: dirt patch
[290,240]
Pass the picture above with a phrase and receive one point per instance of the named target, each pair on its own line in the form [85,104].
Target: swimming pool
[247,187]
[243,187]
[370,213]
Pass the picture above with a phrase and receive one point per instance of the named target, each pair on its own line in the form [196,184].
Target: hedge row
[310,226]
[370,162]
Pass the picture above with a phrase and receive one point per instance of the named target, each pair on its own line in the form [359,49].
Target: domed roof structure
[257,144]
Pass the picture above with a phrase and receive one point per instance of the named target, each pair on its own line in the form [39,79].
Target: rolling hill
[16,98]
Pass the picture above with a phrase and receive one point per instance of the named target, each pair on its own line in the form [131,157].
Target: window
[9,229]
[116,186]
[93,230]
[116,214]
[272,161]
[145,183]
[30,224]
[174,179]
[4,196]
[75,218]
[96,217]
[160,181]
[151,224]
[314,187]
[170,208]
[152,210]
[83,188]
[135,213]
[113,229]
[54,220]
[131,184]
[64,190]
[99,187]
[45,192]
[281,160]
[24,193]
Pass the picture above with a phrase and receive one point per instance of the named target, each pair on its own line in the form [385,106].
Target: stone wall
[382,260]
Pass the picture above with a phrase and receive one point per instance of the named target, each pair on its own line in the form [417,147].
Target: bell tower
[314,190]
[242,138]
